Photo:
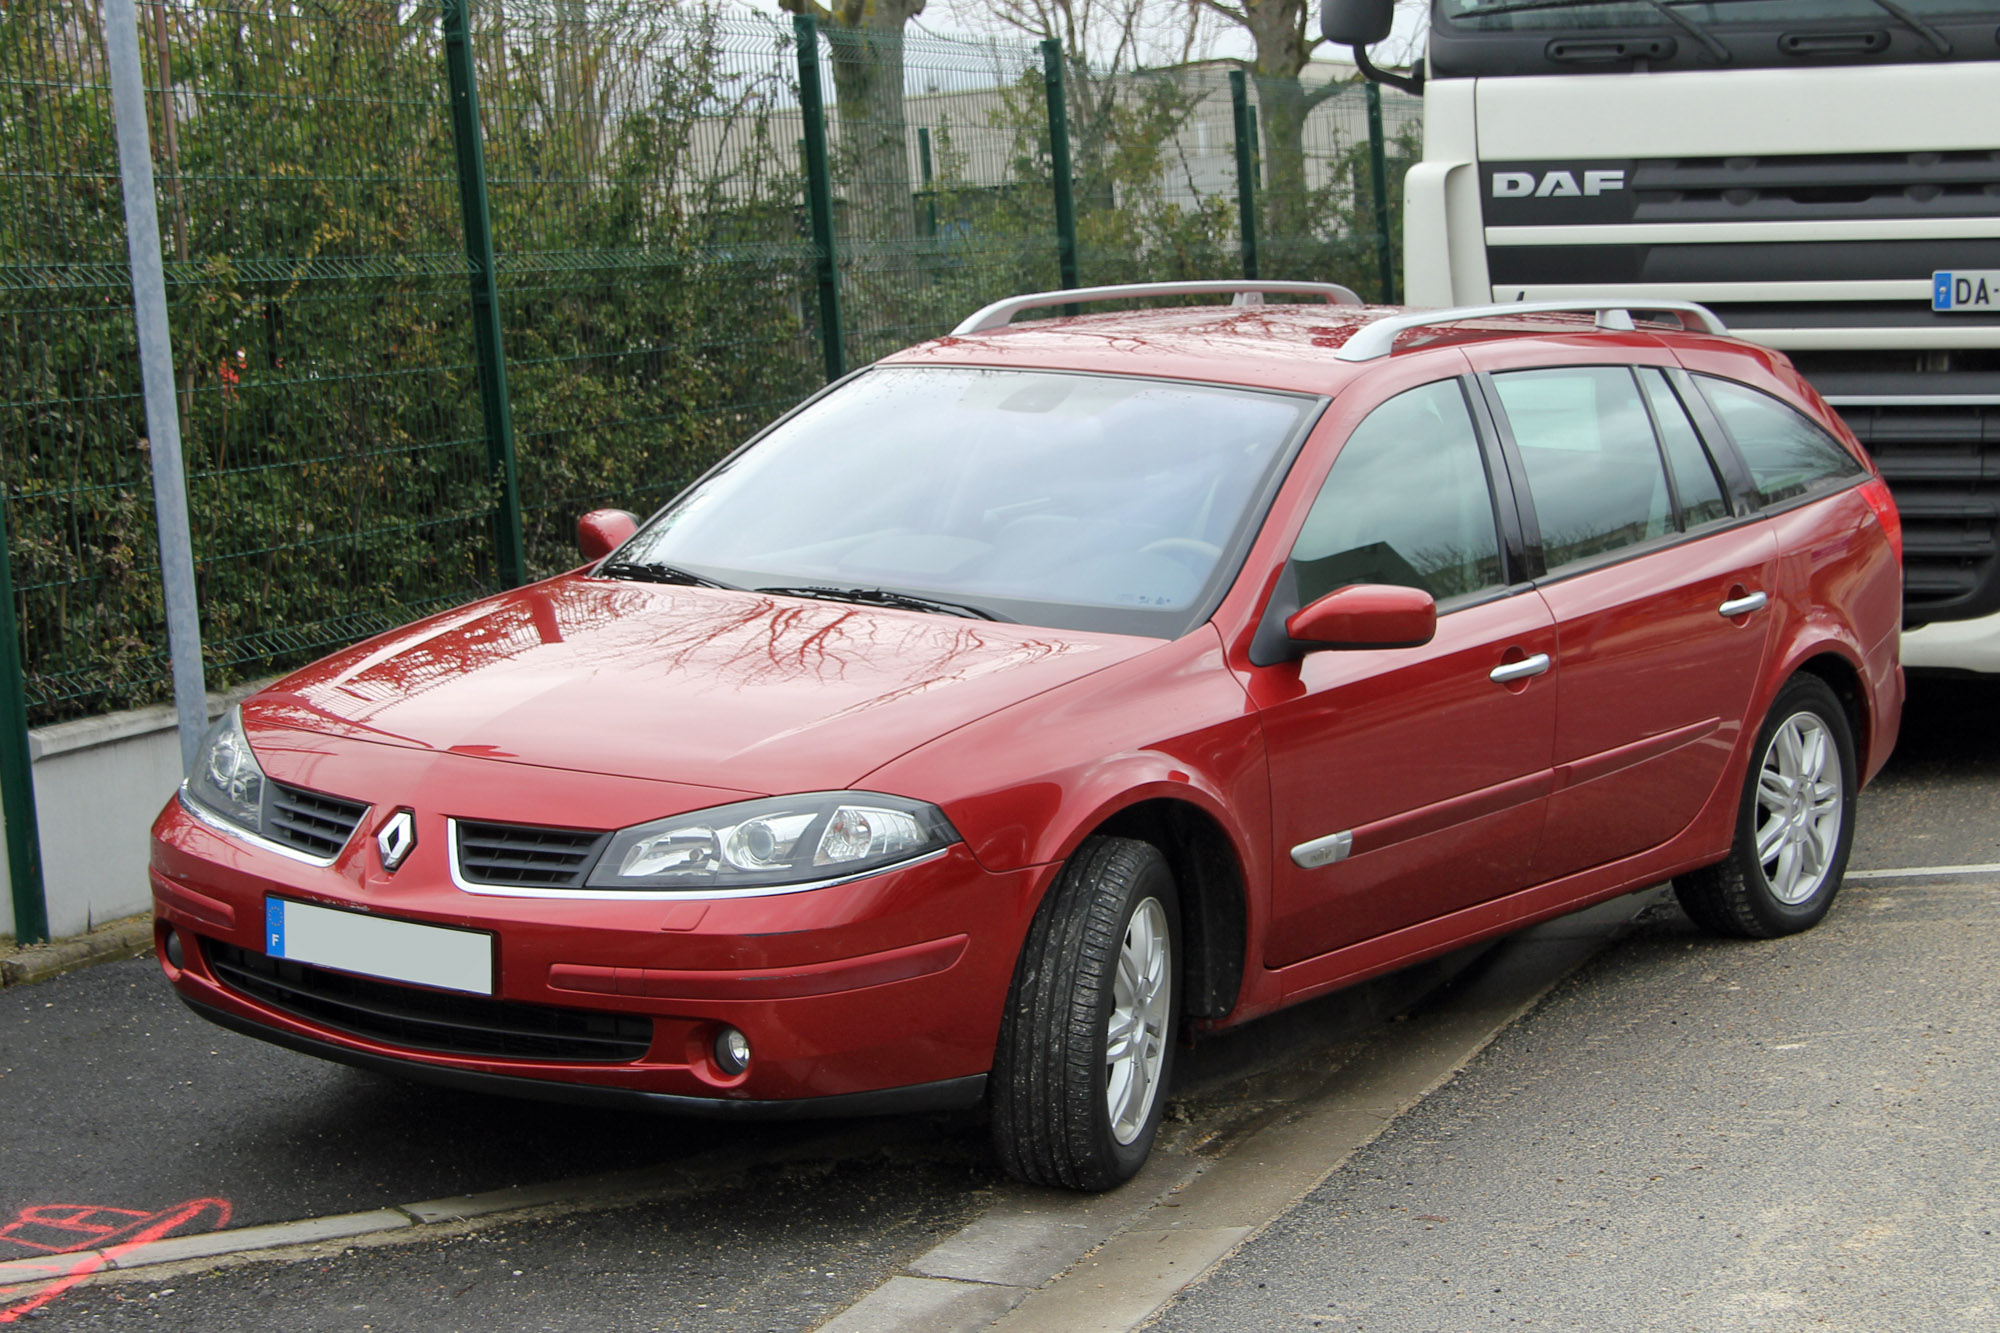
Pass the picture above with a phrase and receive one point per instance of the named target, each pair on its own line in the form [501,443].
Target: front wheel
[1086,1045]
[1793,828]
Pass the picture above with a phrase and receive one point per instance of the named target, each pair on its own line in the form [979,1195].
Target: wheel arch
[1844,679]
[1209,876]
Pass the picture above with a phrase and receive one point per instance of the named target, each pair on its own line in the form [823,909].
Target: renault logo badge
[397,839]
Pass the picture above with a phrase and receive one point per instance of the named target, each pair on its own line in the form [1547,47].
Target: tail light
[1876,493]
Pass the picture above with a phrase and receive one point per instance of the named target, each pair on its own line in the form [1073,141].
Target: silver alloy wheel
[1141,1000]
[1800,801]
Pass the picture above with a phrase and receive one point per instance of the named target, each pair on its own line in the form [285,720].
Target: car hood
[702,686]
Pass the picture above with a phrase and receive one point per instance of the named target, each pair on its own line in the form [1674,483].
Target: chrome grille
[309,821]
[524,856]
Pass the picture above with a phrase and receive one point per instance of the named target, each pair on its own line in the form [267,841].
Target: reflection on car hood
[692,685]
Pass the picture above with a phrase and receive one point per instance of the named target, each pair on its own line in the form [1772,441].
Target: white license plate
[375,946]
[1966,289]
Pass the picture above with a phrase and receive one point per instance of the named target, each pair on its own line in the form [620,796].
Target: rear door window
[1696,481]
[1787,454]
[1593,465]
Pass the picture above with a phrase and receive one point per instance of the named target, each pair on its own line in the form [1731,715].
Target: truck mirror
[1356,22]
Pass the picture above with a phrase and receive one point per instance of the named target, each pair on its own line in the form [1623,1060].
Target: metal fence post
[1378,170]
[1064,185]
[819,196]
[1246,180]
[156,373]
[467,138]
[930,194]
[17,777]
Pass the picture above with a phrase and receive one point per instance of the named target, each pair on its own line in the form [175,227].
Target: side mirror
[1367,615]
[602,531]
[1356,22]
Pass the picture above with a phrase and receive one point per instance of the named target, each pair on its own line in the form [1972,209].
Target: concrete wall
[99,781]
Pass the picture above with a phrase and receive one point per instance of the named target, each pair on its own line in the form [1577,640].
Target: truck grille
[1830,185]
[309,821]
[511,856]
[427,1020]
[1942,463]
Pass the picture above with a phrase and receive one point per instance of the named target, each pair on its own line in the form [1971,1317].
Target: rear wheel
[1794,825]
[1086,1045]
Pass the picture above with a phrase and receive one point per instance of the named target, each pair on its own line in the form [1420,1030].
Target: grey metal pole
[156,372]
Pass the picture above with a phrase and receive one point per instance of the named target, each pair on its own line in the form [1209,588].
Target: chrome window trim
[221,825]
[589,894]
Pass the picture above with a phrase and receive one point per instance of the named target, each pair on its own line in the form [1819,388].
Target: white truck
[1823,174]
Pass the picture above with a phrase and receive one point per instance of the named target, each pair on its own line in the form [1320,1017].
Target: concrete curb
[38,962]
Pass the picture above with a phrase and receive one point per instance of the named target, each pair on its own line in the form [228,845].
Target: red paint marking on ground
[95,1236]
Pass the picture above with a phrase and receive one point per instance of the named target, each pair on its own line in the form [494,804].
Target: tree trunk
[1282,108]
[873,152]
[1278,27]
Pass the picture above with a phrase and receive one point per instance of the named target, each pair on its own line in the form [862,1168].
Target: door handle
[1743,606]
[1507,672]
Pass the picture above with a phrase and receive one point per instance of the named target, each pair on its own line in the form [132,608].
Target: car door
[1406,782]
[1660,593]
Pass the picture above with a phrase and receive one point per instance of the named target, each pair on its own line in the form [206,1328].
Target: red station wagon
[1050,690]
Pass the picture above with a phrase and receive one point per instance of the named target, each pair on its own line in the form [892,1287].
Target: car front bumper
[878,994]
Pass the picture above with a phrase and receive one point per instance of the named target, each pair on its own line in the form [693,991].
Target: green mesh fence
[1315,196]
[316,293]
[654,274]
[76,485]
[1153,157]
[938,153]
[655,269]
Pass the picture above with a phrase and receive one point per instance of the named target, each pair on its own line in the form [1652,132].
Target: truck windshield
[1544,15]
[1488,37]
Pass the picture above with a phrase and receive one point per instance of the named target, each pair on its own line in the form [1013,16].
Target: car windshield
[1076,501]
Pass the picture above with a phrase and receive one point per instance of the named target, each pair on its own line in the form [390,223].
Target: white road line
[1925,872]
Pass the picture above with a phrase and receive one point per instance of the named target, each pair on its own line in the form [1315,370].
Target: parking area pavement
[1706,1135]
[1686,1134]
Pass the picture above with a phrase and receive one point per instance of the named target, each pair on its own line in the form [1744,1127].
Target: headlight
[783,840]
[226,780]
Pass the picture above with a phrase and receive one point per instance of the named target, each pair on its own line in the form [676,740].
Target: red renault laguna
[1050,690]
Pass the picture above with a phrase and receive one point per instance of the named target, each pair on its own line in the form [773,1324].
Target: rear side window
[1407,502]
[1787,454]
[1594,469]
[1695,478]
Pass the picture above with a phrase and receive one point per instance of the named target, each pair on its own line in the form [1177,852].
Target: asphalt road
[1706,1135]
[1662,1060]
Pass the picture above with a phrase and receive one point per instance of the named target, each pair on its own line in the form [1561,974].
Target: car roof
[1273,346]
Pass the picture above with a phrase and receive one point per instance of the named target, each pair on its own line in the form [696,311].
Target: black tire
[1050,1091]
[1758,897]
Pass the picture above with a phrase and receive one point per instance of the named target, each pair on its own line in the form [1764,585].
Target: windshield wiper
[1939,42]
[654,571]
[883,597]
[1708,39]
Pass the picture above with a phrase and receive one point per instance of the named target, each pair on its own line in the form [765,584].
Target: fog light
[732,1051]
[173,949]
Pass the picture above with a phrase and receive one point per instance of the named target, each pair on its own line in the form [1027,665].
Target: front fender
[1025,785]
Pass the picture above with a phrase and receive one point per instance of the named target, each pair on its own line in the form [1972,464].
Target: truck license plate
[1966,289]
[375,946]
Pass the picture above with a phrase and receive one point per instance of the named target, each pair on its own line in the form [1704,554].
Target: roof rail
[1377,339]
[1247,291]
